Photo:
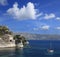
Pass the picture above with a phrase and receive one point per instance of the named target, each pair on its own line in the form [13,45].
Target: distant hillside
[30,36]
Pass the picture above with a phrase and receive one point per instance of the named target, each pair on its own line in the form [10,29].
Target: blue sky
[31,16]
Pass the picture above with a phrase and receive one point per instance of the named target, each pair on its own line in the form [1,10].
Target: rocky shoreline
[7,39]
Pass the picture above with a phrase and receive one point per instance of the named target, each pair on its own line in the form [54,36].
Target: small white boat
[50,50]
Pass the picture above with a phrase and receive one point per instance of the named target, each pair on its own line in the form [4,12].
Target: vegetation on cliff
[4,30]
[18,38]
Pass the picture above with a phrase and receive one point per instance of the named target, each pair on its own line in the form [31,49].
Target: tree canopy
[18,39]
[4,30]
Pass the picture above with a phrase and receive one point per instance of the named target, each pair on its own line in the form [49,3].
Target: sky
[31,16]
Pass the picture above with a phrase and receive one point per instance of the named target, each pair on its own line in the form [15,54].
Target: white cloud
[35,29]
[58,28]
[45,27]
[40,14]
[3,2]
[49,16]
[26,12]
[58,18]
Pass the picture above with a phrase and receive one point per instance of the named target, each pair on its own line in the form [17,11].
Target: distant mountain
[30,36]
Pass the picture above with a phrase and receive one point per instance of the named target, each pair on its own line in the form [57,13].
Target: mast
[50,45]
[50,50]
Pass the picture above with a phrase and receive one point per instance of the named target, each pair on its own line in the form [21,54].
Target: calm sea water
[35,49]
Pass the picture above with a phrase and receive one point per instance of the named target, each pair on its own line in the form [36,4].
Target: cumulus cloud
[35,29]
[3,2]
[58,18]
[58,28]
[45,27]
[40,14]
[26,12]
[49,16]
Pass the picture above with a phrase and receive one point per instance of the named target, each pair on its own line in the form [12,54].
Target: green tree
[18,39]
[4,30]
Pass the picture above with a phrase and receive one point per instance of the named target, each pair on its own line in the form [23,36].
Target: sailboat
[50,50]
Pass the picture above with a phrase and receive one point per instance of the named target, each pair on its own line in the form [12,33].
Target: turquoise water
[35,49]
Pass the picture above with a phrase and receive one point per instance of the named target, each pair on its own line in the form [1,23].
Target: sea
[36,48]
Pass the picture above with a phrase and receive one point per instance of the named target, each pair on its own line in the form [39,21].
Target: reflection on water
[27,52]
[18,52]
[36,49]
[11,52]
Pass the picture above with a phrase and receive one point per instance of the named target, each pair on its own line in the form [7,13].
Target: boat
[50,50]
